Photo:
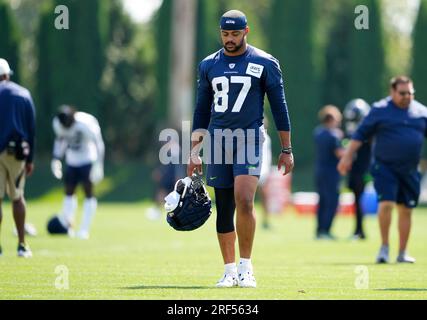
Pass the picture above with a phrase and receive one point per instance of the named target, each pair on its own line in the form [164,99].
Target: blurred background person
[79,138]
[17,133]
[265,172]
[165,176]
[327,137]
[354,112]
[399,125]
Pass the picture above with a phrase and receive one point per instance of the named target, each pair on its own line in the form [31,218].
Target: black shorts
[75,175]
[394,185]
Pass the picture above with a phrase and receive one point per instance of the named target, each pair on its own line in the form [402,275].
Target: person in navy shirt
[354,113]
[399,125]
[327,139]
[17,132]
[228,119]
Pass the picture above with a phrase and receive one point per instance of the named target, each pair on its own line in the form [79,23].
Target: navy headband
[238,23]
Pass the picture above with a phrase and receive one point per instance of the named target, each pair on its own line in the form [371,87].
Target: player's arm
[363,133]
[97,171]
[201,119]
[276,96]
[346,160]
[60,145]
[31,128]
[99,143]
[339,151]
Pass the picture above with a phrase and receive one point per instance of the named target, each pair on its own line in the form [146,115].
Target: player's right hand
[29,168]
[344,166]
[56,167]
[194,162]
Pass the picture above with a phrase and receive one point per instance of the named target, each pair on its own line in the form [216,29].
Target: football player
[78,137]
[354,113]
[229,113]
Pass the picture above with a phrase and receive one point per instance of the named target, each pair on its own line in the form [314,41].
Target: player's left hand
[194,162]
[287,161]
[97,173]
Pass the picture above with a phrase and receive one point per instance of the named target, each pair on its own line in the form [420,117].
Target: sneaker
[227,281]
[24,251]
[404,258]
[71,233]
[325,236]
[358,236]
[247,279]
[383,255]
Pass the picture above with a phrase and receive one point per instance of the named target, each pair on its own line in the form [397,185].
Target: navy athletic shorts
[75,175]
[400,186]
[228,160]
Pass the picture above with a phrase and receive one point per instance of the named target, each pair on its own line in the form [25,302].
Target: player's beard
[237,47]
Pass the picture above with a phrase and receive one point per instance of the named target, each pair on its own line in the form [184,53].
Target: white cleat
[83,235]
[227,281]
[71,233]
[247,279]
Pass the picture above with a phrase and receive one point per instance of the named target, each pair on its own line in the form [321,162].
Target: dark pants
[357,184]
[327,184]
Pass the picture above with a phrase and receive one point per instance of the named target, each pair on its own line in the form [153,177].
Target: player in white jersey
[79,138]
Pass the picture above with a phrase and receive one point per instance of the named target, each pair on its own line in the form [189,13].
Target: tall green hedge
[163,32]
[9,39]
[71,61]
[291,33]
[367,68]
[419,67]
[355,59]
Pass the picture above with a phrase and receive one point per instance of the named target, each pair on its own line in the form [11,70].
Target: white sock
[230,268]
[69,208]
[245,264]
[89,210]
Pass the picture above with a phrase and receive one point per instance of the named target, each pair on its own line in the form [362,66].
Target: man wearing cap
[229,120]
[17,131]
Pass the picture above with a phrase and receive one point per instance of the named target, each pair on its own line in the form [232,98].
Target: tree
[71,62]
[292,41]
[355,58]
[10,39]
[367,69]
[163,48]
[128,88]
[419,68]
[208,39]
[336,83]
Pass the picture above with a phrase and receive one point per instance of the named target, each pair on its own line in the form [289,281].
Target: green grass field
[131,257]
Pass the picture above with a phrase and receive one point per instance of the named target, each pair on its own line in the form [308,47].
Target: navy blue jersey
[327,141]
[17,115]
[231,91]
[399,133]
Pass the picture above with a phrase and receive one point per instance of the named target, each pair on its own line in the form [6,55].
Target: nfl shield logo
[232,65]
